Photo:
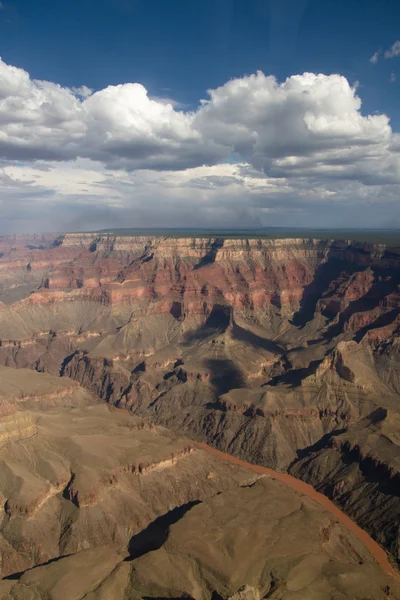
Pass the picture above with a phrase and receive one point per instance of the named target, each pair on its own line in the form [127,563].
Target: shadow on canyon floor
[326,273]
[319,445]
[16,576]
[294,377]
[225,375]
[156,534]
[382,321]
[385,283]
[244,335]
[211,255]
[217,322]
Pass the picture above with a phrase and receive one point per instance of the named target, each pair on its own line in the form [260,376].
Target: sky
[199,113]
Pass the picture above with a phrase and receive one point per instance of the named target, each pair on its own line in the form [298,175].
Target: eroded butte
[120,352]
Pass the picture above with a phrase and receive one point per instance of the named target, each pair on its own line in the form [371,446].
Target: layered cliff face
[77,474]
[253,542]
[362,462]
[268,349]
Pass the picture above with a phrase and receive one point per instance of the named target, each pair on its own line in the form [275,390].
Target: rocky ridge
[313,557]
[282,352]
[77,474]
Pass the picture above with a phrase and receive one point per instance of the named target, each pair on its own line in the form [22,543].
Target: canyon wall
[268,349]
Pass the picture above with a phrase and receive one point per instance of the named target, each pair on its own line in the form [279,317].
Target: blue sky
[185,47]
[178,50]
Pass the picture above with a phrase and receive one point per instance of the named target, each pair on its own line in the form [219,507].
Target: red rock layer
[186,275]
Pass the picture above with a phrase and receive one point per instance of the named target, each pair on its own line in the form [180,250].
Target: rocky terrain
[258,541]
[77,474]
[282,352]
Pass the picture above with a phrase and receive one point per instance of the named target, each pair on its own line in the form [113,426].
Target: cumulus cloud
[308,122]
[299,146]
[392,77]
[394,50]
[119,125]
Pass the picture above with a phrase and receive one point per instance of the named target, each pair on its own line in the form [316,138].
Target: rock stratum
[119,352]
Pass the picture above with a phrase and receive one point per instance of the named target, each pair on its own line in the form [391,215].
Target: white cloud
[309,120]
[1,5]
[83,195]
[392,77]
[375,57]
[307,124]
[83,91]
[120,125]
[303,146]
[391,52]
[394,50]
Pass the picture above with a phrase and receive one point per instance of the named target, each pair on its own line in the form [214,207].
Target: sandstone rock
[259,541]
[278,351]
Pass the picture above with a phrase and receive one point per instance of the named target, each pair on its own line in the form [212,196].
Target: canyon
[119,354]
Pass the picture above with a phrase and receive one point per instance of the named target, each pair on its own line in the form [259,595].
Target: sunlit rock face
[267,349]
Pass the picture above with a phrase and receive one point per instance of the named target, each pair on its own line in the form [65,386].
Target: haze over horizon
[240,115]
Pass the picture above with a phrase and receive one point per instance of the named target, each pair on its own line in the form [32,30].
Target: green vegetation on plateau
[390,237]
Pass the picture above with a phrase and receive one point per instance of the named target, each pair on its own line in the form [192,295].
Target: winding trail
[304,488]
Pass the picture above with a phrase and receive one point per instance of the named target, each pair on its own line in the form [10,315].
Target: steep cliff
[253,542]
[360,470]
[78,474]
[268,349]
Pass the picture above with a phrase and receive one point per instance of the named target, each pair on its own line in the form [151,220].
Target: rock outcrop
[253,542]
[360,470]
[78,474]
[278,351]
